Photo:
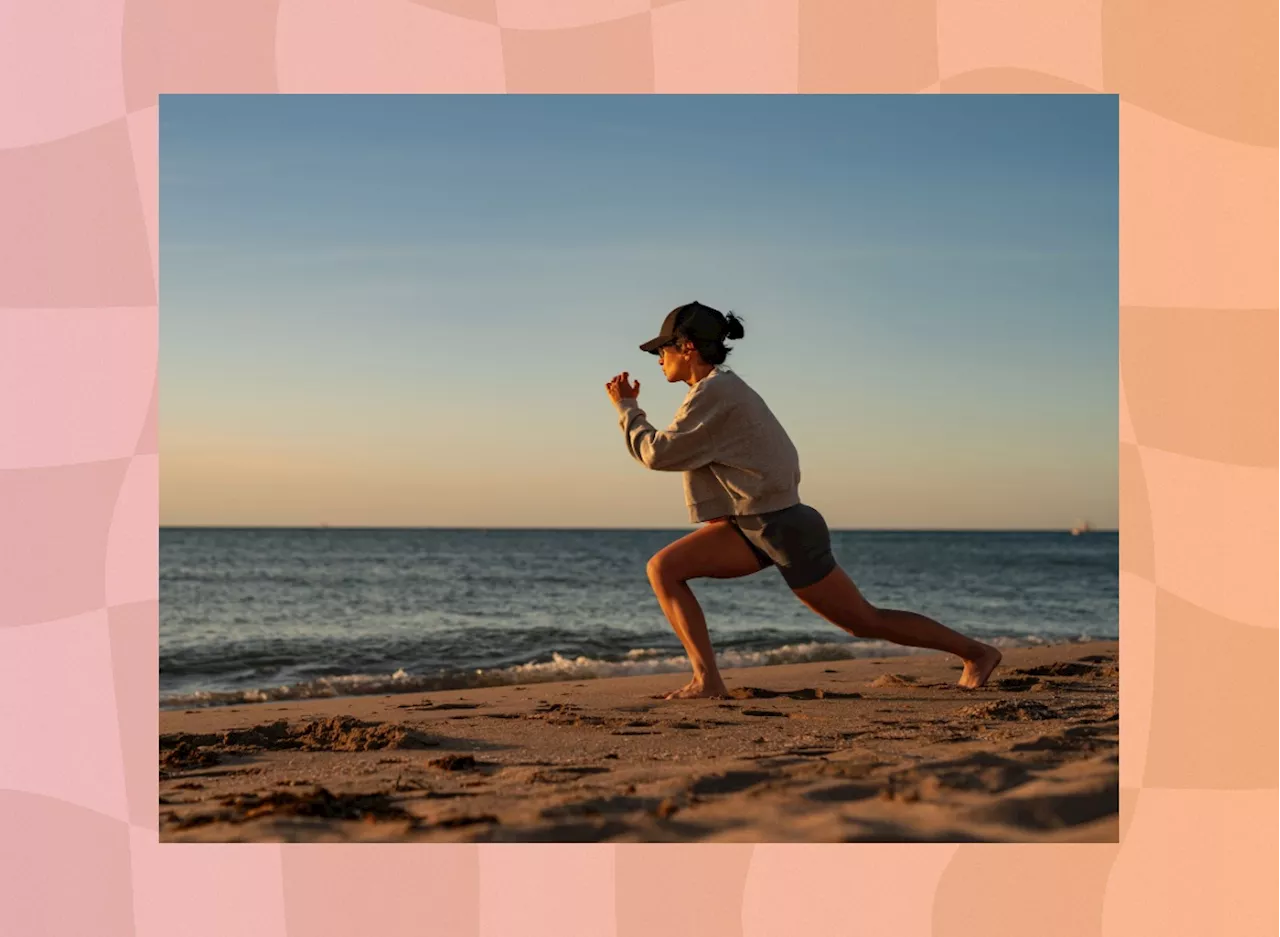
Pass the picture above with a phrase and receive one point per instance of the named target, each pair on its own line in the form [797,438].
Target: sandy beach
[858,750]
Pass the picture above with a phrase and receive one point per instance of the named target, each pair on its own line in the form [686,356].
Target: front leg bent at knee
[653,569]
[661,575]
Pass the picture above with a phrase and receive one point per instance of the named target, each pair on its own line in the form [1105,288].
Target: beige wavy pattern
[78,465]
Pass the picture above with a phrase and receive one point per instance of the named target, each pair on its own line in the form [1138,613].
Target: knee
[661,570]
[874,621]
[866,622]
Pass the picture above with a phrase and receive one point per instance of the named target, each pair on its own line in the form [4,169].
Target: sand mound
[241,808]
[185,756]
[339,734]
[345,734]
[893,679]
[1009,711]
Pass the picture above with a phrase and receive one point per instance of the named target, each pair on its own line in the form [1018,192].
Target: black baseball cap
[692,320]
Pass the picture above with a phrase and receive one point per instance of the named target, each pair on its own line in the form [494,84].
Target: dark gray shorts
[795,539]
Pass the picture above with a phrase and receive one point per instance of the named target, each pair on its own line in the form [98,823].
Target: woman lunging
[741,481]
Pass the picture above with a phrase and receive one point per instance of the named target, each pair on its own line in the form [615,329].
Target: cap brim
[654,344]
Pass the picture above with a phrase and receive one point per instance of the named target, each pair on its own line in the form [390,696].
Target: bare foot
[697,689]
[977,671]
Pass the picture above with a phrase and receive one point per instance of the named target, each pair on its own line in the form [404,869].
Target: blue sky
[402,310]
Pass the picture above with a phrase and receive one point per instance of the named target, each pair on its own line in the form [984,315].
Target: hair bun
[733,327]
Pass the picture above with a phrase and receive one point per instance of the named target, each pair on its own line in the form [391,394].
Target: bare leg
[690,625]
[838,600]
[715,551]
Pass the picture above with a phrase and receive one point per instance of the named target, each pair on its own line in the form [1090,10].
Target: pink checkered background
[79,468]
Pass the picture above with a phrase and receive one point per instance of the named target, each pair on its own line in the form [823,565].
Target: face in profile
[675,362]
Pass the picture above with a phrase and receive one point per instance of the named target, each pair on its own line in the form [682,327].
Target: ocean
[251,615]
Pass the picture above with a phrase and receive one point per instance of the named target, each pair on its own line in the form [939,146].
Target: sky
[402,311]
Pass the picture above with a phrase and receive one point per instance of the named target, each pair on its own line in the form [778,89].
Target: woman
[741,479]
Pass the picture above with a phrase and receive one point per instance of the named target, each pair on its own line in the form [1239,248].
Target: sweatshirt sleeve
[688,443]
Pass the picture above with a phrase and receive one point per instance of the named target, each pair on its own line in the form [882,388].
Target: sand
[856,750]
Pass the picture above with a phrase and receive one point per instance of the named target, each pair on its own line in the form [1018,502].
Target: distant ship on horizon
[1083,527]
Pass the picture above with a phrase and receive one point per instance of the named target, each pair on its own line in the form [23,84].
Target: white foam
[635,662]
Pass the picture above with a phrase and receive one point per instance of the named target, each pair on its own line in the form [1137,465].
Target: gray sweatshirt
[735,455]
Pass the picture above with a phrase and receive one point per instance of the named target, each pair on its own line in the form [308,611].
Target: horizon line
[886,530]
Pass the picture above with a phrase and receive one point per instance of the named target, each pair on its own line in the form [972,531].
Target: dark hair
[712,346]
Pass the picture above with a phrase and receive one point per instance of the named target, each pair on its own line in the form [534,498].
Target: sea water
[250,615]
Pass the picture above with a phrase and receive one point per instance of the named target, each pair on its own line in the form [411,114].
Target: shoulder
[726,385]
[719,395]
[714,387]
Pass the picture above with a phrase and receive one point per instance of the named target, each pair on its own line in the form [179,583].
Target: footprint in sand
[588,831]
[435,707]
[600,806]
[1055,806]
[1059,669]
[1089,731]
[1073,741]
[545,707]
[841,793]
[806,693]
[453,763]
[466,820]
[729,782]
[1017,684]
[979,772]
[562,774]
